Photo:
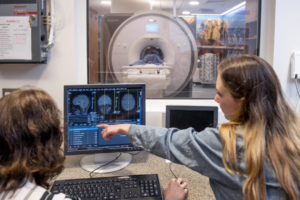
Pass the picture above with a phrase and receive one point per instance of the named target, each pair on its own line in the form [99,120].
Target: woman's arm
[200,151]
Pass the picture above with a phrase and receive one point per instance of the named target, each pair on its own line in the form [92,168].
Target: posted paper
[15,38]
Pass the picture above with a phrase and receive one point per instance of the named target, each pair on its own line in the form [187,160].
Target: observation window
[175,54]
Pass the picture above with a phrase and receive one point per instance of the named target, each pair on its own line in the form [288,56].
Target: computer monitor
[86,106]
[198,117]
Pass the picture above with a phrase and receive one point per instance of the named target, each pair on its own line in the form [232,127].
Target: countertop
[146,163]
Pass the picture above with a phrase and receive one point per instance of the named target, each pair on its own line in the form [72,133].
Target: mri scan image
[105,104]
[128,102]
[80,104]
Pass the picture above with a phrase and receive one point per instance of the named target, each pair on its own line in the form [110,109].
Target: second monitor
[198,117]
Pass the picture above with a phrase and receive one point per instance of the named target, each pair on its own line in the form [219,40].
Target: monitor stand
[92,162]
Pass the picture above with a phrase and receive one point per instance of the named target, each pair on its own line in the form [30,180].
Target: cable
[52,27]
[104,165]
[172,171]
[296,83]
[135,153]
[187,194]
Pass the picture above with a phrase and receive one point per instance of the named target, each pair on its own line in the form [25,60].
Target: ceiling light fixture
[203,14]
[234,8]
[154,2]
[185,16]
[106,2]
[186,12]
[151,20]
[193,3]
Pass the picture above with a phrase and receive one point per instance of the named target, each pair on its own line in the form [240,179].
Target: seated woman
[30,141]
[30,154]
[255,156]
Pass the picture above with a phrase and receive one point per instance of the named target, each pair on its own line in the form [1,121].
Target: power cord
[111,162]
[172,171]
[104,165]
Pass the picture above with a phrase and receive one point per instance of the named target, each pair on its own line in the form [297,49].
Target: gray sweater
[202,152]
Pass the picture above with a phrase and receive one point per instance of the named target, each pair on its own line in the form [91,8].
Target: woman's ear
[241,101]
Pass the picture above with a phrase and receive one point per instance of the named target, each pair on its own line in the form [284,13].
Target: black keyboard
[144,187]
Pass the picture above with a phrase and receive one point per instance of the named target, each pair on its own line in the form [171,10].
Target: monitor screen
[198,117]
[151,28]
[86,106]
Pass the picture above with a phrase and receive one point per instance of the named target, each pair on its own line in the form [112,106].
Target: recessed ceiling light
[151,20]
[106,2]
[193,2]
[186,12]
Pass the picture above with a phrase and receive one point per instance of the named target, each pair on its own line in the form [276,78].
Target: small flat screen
[151,28]
[198,117]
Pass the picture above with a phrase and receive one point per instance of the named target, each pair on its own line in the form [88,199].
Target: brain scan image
[128,102]
[81,103]
[104,104]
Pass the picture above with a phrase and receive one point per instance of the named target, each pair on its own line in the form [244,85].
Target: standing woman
[256,155]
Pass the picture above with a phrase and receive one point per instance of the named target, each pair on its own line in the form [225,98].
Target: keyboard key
[144,194]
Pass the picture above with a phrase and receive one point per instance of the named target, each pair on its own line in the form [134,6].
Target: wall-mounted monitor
[151,28]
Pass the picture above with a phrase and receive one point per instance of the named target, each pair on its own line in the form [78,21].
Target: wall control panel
[23,31]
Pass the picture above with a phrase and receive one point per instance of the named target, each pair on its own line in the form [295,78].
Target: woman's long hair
[272,128]
[30,139]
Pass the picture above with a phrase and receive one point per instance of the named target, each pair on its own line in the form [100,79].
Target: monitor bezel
[191,108]
[106,150]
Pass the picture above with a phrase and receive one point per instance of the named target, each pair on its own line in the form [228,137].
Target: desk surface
[146,163]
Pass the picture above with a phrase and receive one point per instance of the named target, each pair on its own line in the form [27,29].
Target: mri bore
[128,102]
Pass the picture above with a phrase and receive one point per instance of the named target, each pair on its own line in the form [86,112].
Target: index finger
[102,125]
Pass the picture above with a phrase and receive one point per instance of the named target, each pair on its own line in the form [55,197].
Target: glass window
[174,49]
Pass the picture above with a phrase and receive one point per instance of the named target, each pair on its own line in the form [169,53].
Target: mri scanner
[128,38]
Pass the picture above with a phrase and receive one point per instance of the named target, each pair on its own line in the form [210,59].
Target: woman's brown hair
[30,139]
[272,128]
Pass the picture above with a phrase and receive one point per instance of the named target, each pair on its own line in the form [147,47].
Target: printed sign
[15,38]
